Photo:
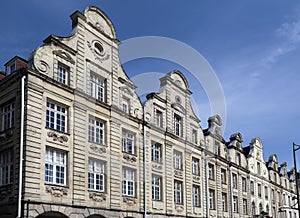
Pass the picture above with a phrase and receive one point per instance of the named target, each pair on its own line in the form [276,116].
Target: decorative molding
[98,197]
[129,158]
[56,137]
[178,173]
[98,149]
[179,208]
[64,55]
[157,167]
[42,66]
[129,201]
[98,56]
[4,192]
[6,134]
[196,179]
[56,191]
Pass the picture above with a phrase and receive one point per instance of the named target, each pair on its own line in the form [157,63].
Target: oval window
[98,48]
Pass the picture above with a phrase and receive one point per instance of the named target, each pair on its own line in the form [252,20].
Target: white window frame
[158,118]
[251,187]
[244,184]
[259,190]
[212,202]
[96,131]
[223,176]
[6,167]
[245,212]
[125,106]
[196,196]
[234,181]
[178,192]
[97,87]
[177,158]
[156,187]
[96,175]
[224,202]
[177,124]
[156,152]
[8,116]
[235,204]
[195,166]
[59,114]
[55,163]
[62,74]
[211,171]
[194,136]
[128,182]
[128,143]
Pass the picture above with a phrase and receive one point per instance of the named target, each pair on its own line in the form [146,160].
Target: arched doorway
[52,215]
[95,216]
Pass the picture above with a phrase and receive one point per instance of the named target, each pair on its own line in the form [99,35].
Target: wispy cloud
[289,35]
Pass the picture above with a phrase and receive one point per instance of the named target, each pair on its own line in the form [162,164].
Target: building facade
[76,141]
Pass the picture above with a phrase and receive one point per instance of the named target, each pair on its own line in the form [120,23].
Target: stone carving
[179,208]
[196,179]
[64,55]
[98,197]
[177,173]
[42,66]
[56,137]
[97,149]
[99,55]
[129,201]
[156,167]
[6,134]
[56,191]
[129,158]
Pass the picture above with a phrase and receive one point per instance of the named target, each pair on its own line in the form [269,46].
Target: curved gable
[179,79]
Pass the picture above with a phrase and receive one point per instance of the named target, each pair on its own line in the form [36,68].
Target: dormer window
[177,125]
[62,74]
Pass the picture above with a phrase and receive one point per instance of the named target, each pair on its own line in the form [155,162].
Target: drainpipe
[144,164]
[21,147]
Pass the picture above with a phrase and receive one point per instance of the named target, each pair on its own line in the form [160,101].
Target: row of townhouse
[85,146]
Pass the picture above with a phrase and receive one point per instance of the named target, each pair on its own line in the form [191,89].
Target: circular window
[98,48]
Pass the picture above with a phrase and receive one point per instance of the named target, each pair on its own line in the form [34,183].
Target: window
[178,197]
[253,209]
[156,152]
[128,142]
[97,88]
[238,158]
[62,75]
[56,117]
[6,167]
[177,160]
[196,196]
[261,208]
[211,199]
[156,188]
[278,197]
[158,118]
[259,190]
[258,168]
[224,202]
[223,176]
[55,167]
[96,131]
[125,106]
[217,148]
[194,136]
[96,175]
[252,187]
[177,125]
[244,184]
[211,171]
[195,166]
[234,181]
[273,196]
[245,206]
[8,116]
[128,182]
[266,192]
[235,204]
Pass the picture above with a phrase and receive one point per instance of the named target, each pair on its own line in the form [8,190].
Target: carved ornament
[129,158]
[56,137]
[56,191]
[98,197]
[97,149]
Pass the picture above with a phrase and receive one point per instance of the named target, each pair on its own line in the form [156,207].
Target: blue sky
[253,47]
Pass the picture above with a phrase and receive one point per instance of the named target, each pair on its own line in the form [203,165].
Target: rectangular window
[196,196]
[194,136]
[217,148]
[178,191]
[96,175]
[128,142]
[238,158]
[211,171]
[96,131]
[125,106]
[56,117]
[223,176]
[224,202]
[177,157]
[259,190]
[234,181]
[177,125]
[6,167]
[258,168]
[97,88]
[235,204]
[212,199]
[156,152]
[266,192]
[158,118]
[156,188]
[245,206]
[195,166]
[62,75]
[8,116]
[244,184]
[128,182]
[252,187]
[55,167]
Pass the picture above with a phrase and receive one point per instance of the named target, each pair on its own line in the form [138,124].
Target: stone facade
[92,149]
